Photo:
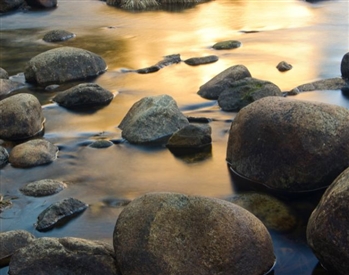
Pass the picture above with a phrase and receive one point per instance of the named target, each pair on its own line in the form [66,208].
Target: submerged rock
[57,212]
[296,145]
[325,84]
[11,241]
[213,88]
[21,117]
[168,233]
[83,96]
[68,256]
[283,66]
[45,187]
[194,61]
[33,153]
[168,60]
[327,229]
[63,64]
[58,35]
[152,119]
[3,156]
[102,143]
[240,93]
[226,45]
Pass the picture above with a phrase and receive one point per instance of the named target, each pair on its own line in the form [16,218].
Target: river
[313,37]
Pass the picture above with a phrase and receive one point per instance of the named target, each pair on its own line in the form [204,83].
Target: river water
[313,37]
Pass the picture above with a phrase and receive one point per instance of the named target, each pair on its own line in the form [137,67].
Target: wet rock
[345,66]
[51,87]
[63,64]
[3,156]
[226,45]
[327,229]
[213,88]
[3,73]
[45,187]
[102,143]
[83,96]
[325,84]
[296,145]
[134,4]
[7,86]
[239,94]
[68,256]
[274,214]
[190,139]
[21,117]
[59,212]
[168,233]
[194,61]
[115,202]
[168,60]
[152,119]
[4,203]
[58,35]
[11,241]
[147,70]
[8,5]
[33,153]
[283,66]
[42,3]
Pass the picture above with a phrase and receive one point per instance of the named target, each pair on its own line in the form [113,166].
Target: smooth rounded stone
[190,139]
[169,233]
[21,117]
[3,156]
[8,5]
[327,229]
[59,212]
[345,66]
[283,66]
[102,143]
[274,213]
[83,96]
[226,45]
[325,84]
[194,61]
[152,119]
[134,4]
[33,153]
[3,74]
[45,187]
[245,91]
[214,87]
[7,86]
[64,64]
[11,241]
[289,145]
[42,3]
[68,256]
[58,35]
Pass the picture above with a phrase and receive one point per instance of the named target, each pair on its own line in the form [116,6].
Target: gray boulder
[345,66]
[152,119]
[59,211]
[7,86]
[83,96]
[239,94]
[3,156]
[8,5]
[45,187]
[33,153]
[63,64]
[324,84]
[226,45]
[64,256]
[42,3]
[21,117]
[58,36]
[3,74]
[289,145]
[194,61]
[168,233]
[11,241]
[327,229]
[213,88]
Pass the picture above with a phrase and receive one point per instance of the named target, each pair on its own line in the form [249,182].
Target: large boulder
[68,256]
[8,5]
[239,94]
[63,64]
[213,88]
[152,119]
[21,117]
[168,233]
[327,229]
[289,145]
[345,66]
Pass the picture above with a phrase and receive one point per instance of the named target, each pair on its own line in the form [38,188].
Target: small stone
[284,66]
[226,45]
[45,187]
[101,144]
[57,36]
[194,61]
[3,156]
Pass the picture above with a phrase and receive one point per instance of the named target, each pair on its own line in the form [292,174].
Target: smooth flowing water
[312,37]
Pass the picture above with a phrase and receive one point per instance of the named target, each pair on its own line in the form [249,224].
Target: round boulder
[57,36]
[33,153]
[327,229]
[21,117]
[63,64]
[289,145]
[345,66]
[168,233]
